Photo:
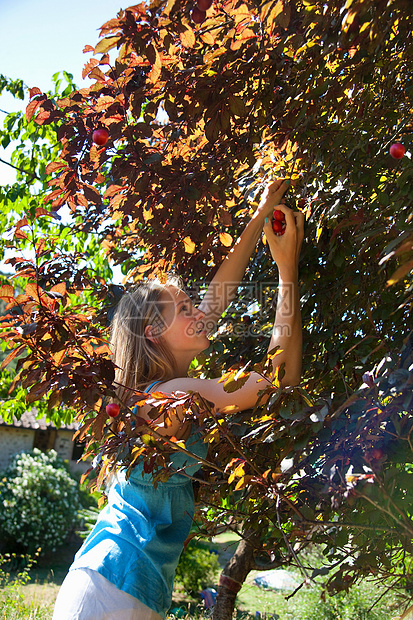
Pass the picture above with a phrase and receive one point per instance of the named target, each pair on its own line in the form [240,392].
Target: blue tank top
[139,536]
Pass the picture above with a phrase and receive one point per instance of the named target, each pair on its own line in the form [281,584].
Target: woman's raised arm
[286,334]
[223,287]
[287,330]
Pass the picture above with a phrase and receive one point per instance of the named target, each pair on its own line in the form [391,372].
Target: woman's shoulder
[150,388]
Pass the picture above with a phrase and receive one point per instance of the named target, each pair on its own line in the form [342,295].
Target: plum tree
[199,119]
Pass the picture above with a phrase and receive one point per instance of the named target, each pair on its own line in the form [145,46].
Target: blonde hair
[140,361]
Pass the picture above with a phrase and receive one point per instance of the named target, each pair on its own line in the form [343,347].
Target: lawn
[34,600]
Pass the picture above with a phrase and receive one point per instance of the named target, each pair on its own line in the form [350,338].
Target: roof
[30,420]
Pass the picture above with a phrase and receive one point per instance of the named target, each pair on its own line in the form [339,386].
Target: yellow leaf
[124,52]
[137,451]
[97,74]
[239,471]
[155,72]
[213,435]
[169,7]
[189,245]
[59,288]
[243,482]
[265,418]
[147,215]
[229,409]
[85,475]
[7,293]
[225,239]
[32,291]
[106,44]
[98,405]
[11,356]
[103,350]
[271,10]
[103,103]
[402,271]
[116,203]
[207,38]
[187,37]
[58,357]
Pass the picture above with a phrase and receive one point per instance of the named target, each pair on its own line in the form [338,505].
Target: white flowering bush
[39,502]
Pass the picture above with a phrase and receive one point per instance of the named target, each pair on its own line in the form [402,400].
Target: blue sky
[41,37]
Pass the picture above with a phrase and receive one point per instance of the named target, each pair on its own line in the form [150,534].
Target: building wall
[64,447]
[13,441]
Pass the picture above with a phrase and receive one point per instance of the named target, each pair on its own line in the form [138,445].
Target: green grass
[365,601]
[18,610]
[35,599]
[308,605]
[22,600]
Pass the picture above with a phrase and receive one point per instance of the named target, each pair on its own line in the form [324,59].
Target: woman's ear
[149,334]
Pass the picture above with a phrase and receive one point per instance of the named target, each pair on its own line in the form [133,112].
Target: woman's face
[183,330]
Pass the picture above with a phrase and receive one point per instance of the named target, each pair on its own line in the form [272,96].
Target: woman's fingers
[268,227]
[279,186]
[299,222]
[294,223]
[299,219]
[285,246]
[273,195]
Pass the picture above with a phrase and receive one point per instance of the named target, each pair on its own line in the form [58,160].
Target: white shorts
[86,595]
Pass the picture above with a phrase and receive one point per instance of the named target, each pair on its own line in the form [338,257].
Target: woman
[125,568]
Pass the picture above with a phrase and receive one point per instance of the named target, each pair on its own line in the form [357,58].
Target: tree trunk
[233,576]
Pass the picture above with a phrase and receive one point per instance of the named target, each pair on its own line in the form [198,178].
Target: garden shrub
[39,502]
[197,568]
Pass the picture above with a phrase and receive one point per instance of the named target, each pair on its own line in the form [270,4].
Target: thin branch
[330,524]
[32,174]
[405,526]
[289,545]
[295,591]
[390,500]
[388,589]
[226,435]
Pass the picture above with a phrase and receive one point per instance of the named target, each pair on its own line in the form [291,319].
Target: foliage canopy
[199,118]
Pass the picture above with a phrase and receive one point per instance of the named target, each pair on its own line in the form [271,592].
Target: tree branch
[32,174]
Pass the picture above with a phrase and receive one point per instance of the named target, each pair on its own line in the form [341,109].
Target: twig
[378,599]
[349,525]
[287,542]
[295,591]
[227,436]
[32,174]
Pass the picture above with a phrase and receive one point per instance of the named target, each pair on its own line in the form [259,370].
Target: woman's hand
[222,289]
[285,249]
[271,197]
